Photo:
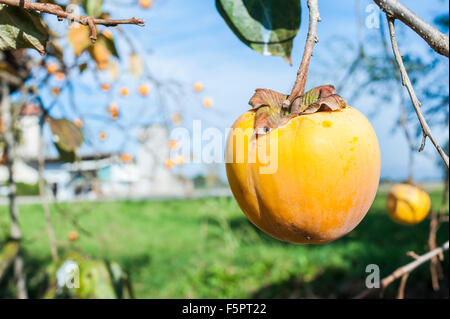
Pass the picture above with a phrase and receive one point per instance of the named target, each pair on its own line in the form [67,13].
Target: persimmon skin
[326,179]
[407,204]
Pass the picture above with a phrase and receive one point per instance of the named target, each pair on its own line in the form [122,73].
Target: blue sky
[188,40]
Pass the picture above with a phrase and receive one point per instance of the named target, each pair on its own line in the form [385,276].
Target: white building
[100,176]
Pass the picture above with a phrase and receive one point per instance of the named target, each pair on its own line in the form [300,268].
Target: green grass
[206,248]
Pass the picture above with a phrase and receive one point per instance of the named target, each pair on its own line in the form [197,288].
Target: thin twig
[426,131]
[61,14]
[302,73]
[401,288]
[406,269]
[437,40]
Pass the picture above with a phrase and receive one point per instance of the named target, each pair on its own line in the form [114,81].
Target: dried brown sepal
[267,118]
[270,114]
[266,97]
[301,103]
[333,102]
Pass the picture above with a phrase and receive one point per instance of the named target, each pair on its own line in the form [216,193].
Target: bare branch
[437,40]
[61,14]
[299,86]
[406,269]
[401,289]
[426,131]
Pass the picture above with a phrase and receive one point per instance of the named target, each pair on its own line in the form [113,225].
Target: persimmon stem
[311,39]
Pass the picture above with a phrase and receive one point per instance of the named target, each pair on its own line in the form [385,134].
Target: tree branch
[437,40]
[406,269]
[299,86]
[426,131]
[61,14]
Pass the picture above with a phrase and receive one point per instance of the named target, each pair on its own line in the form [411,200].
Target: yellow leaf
[79,38]
[101,55]
[113,70]
[136,65]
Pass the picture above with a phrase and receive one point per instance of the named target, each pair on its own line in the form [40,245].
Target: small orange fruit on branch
[113,107]
[124,91]
[178,160]
[198,86]
[73,235]
[102,135]
[145,3]
[115,114]
[106,87]
[169,163]
[60,76]
[177,119]
[56,91]
[126,158]
[305,175]
[208,102]
[78,123]
[407,204]
[52,68]
[173,145]
[144,89]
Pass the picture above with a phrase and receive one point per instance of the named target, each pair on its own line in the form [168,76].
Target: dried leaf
[332,102]
[266,97]
[82,67]
[113,70]
[321,91]
[79,38]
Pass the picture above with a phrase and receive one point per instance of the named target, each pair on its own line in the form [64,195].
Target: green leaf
[66,156]
[67,137]
[20,29]
[93,8]
[266,26]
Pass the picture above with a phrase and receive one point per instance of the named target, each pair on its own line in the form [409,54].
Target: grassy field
[206,248]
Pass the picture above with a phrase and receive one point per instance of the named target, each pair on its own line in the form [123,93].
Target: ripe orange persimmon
[124,91]
[73,235]
[115,114]
[321,181]
[56,91]
[407,204]
[207,102]
[177,119]
[60,76]
[145,3]
[106,87]
[126,158]
[178,160]
[144,89]
[173,145]
[169,163]
[102,136]
[52,68]
[78,123]
[113,107]
[198,86]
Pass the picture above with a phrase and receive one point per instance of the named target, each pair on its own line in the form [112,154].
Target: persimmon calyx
[270,111]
